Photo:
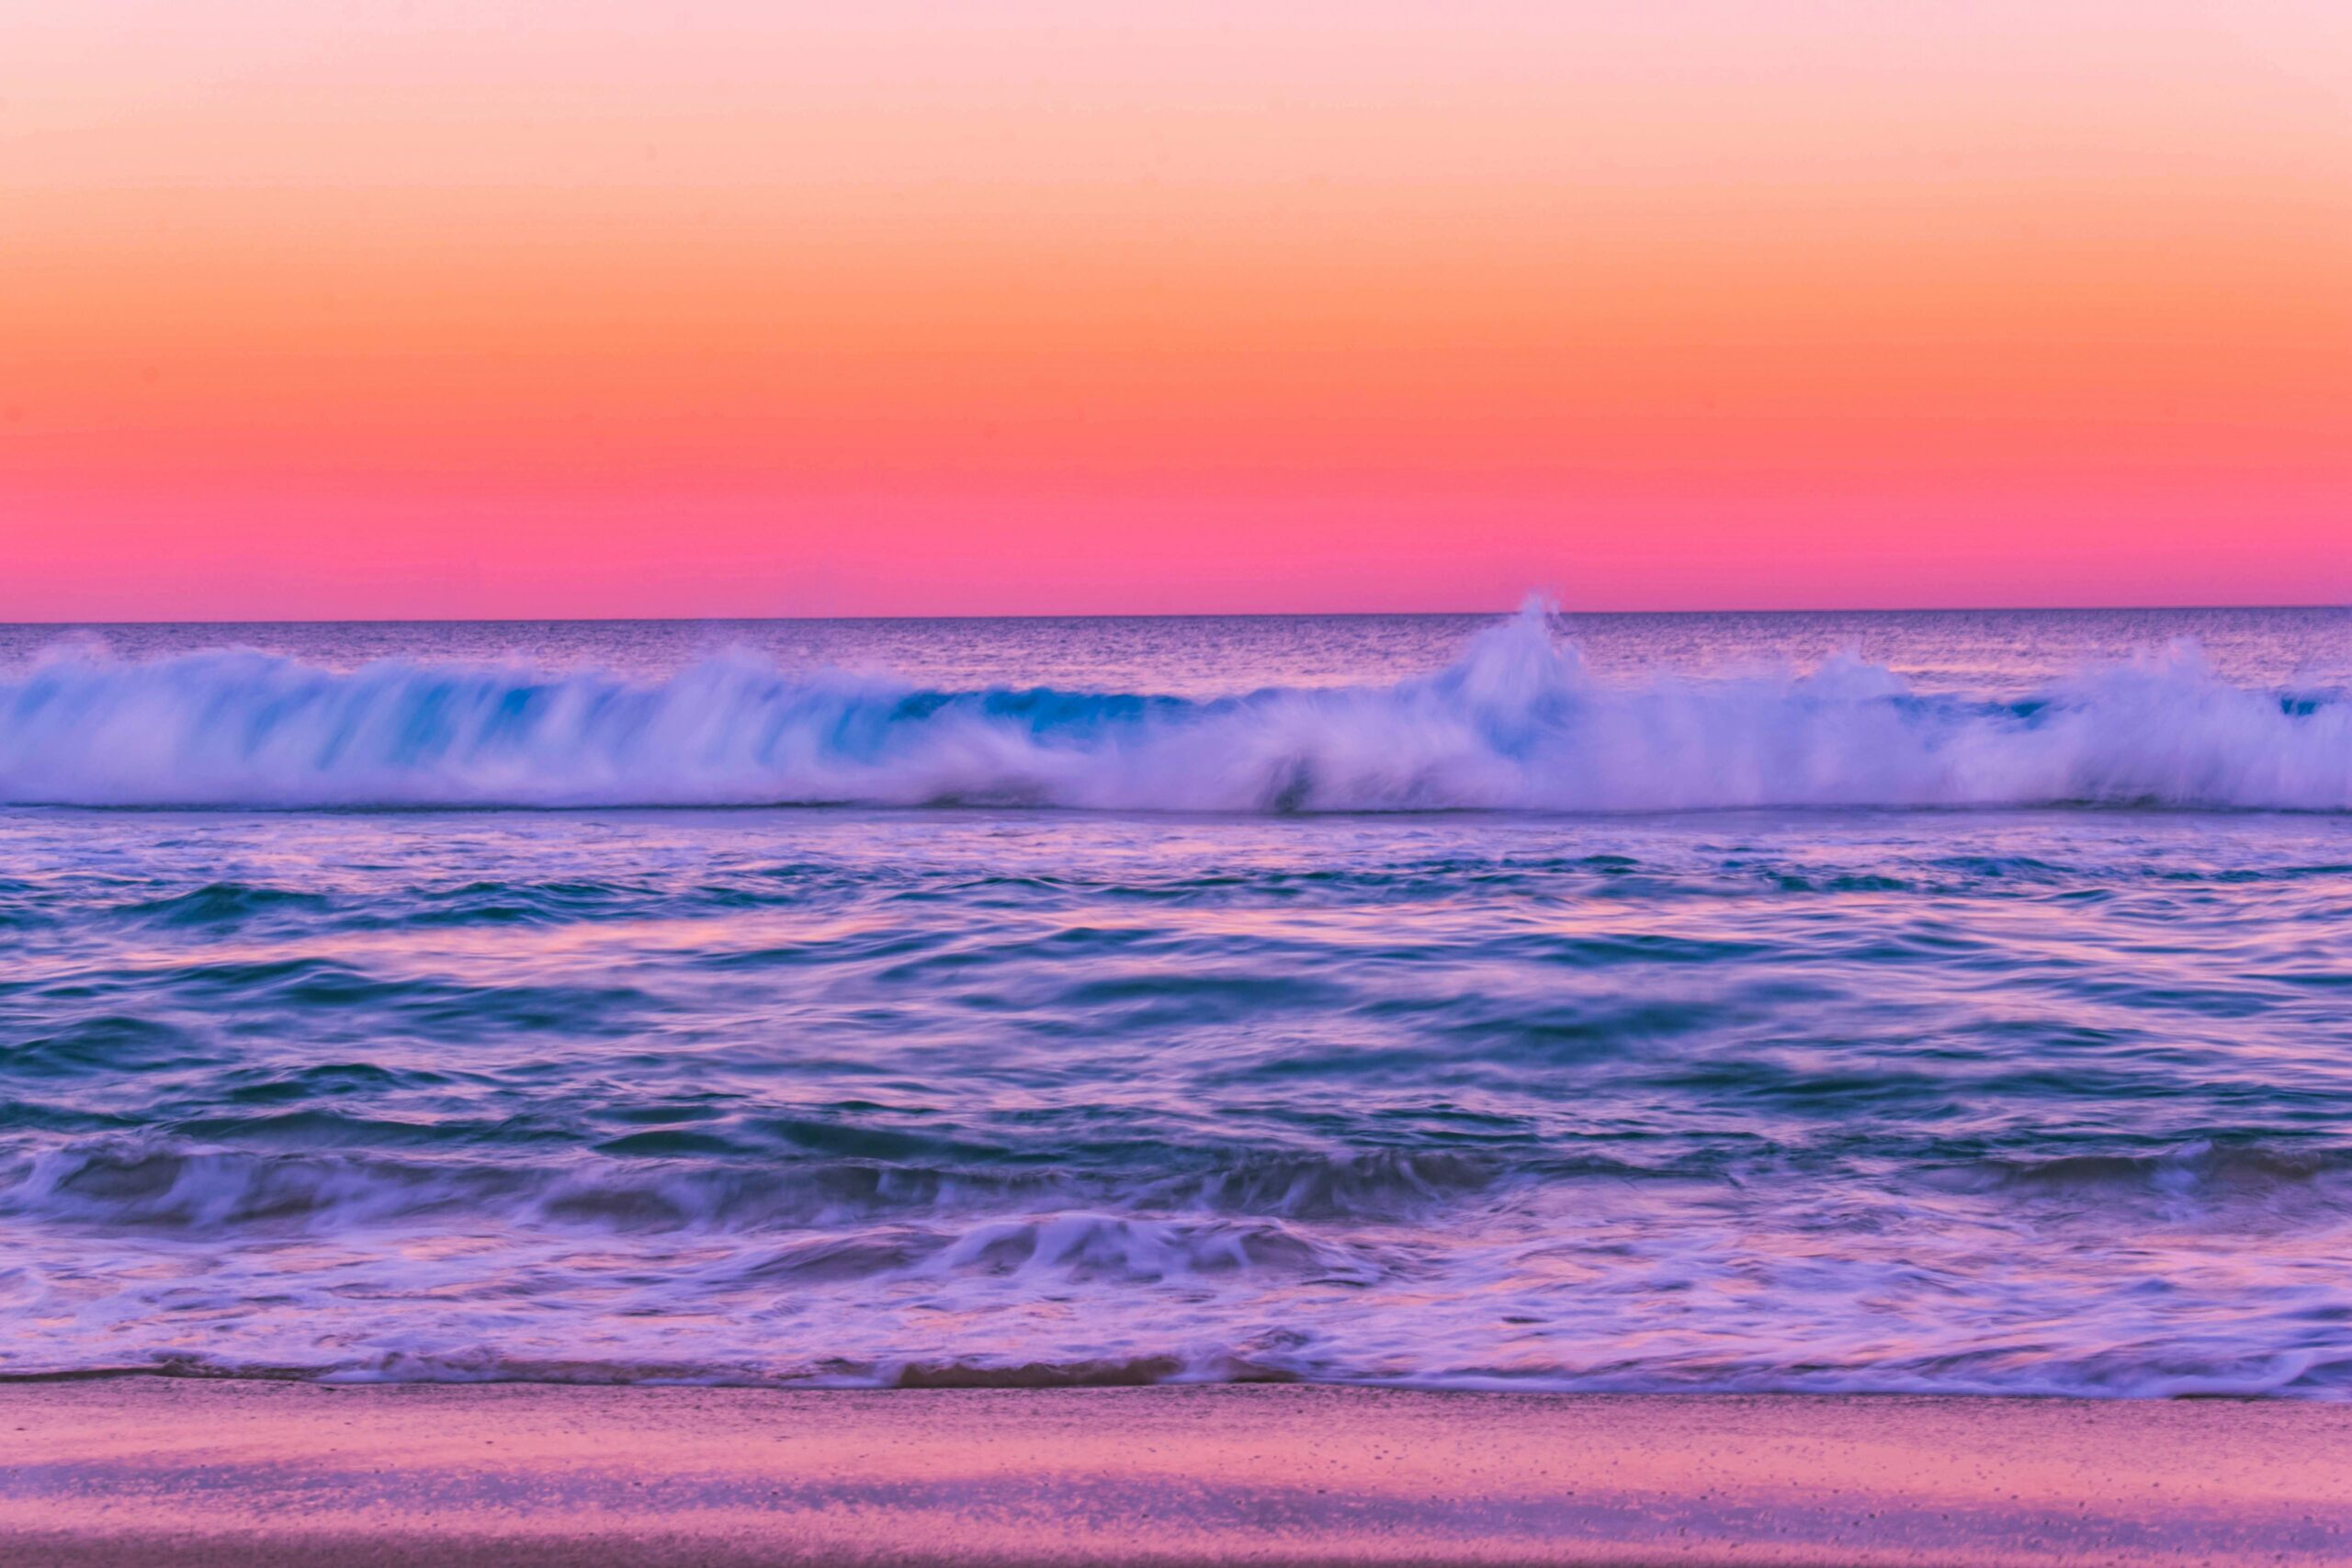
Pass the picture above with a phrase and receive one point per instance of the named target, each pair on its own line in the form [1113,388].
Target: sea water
[1929,1002]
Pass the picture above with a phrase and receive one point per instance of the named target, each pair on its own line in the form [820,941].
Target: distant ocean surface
[1934,1002]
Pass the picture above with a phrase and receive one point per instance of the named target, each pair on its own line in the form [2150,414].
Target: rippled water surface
[1348,1004]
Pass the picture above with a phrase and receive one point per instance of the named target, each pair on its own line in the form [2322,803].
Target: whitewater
[1942,1002]
[1517,723]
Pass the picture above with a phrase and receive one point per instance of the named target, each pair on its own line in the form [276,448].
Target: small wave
[109,1043]
[2109,1275]
[136,1184]
[1376,1186]
[222,905]
[2198,1170]
[1517,724]
[142,1183]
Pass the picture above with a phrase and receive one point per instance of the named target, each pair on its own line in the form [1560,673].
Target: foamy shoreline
[147,1469]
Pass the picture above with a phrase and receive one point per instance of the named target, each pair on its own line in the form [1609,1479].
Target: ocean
[1909,1002]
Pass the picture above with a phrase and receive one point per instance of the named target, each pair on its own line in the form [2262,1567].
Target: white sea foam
[1517,723]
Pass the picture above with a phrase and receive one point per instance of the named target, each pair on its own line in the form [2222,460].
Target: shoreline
[110,1473]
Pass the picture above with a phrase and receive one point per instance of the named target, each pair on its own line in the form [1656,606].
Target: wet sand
[152,1471]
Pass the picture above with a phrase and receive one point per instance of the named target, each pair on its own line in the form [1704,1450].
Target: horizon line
[1167,615]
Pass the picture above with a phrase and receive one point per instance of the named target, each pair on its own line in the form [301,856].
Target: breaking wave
[1518,723]
[1431,1271]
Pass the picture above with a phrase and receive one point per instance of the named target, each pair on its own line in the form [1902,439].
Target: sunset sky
[313,309]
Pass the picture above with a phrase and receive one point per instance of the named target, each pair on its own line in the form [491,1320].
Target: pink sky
[494,309]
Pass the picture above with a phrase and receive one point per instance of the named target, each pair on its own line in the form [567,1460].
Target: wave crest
[1518,723]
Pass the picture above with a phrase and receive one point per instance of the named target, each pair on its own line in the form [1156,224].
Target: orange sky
[494,309]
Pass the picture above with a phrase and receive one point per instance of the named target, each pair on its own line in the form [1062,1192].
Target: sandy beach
[149,1470]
